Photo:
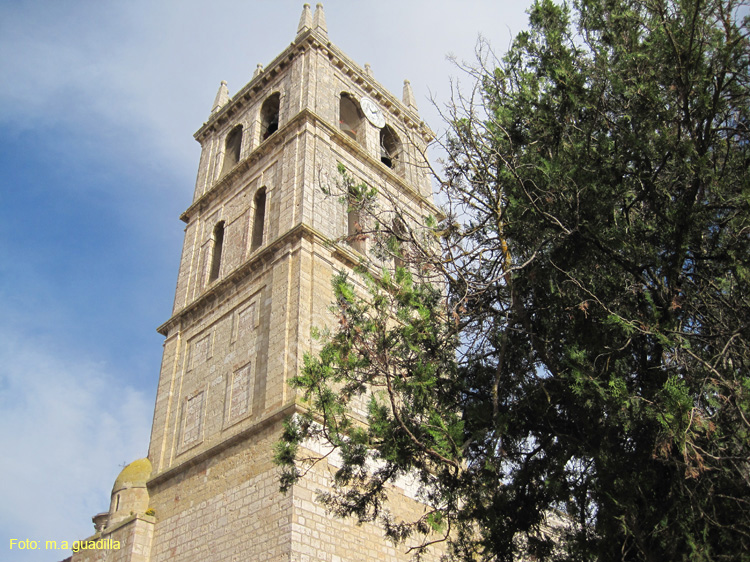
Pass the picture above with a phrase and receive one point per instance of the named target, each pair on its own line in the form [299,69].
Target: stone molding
[312,39]
[282,136]
[271,418]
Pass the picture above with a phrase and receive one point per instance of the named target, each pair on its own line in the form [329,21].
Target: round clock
[372,112]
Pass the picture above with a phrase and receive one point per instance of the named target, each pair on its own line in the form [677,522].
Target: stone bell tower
[262,242]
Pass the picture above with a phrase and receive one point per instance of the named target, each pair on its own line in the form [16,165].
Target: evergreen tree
[576,384]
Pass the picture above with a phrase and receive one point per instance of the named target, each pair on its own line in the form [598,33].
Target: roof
[134,475]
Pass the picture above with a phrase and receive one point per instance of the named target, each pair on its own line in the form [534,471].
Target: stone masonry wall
[238,334]
[224,507]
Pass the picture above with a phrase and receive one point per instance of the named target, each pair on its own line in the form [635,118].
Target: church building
[262,242]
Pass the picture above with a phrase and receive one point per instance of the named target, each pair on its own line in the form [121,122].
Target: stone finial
[222,97]
[408,97]
[368,69]
[319,20]
[306,20]
[100,521]
[258,70]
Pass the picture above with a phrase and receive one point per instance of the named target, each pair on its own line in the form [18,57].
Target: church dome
[134,475]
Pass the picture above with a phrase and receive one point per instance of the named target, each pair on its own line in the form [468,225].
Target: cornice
[277,139]
[257,84]
[377,166]
[381,94]
[312,39]
[269,419]
[225,286]
[282,136]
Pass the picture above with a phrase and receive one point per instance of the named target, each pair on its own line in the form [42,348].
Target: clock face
[372,112]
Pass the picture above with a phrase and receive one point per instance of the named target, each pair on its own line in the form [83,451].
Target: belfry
[262,242]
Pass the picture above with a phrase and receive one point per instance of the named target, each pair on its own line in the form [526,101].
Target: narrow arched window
[232,148]
[217,249]
[259,218]
[269,116]
[355,238]
[390,148]
[350,117]
[399,238]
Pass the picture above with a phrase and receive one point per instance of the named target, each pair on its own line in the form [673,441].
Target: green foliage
[355,195]
[590,353]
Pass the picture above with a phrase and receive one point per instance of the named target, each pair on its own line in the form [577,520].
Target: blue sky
[98,104]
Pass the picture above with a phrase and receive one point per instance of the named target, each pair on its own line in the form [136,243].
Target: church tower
[262,243]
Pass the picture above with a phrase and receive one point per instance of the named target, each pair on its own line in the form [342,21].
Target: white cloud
[66,426]
[131,82]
